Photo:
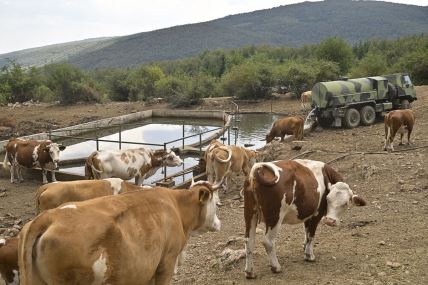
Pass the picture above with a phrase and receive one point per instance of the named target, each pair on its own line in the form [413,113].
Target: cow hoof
[309,258]
[219,204]
[276,269]
[250,275]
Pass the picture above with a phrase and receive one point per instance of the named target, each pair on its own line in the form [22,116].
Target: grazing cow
[9,261]
[286,126]
[292,192]
[137,163]
[306,98]
[52,195]
[132,238]
[32,153]
[396,122]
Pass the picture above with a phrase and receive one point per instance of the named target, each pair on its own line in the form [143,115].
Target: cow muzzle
[330,222]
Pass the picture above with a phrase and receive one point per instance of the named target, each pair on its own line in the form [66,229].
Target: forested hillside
[291,25]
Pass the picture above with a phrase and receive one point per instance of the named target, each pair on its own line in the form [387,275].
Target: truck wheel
[352,118]
[325,122]
[405,104]
[368,115]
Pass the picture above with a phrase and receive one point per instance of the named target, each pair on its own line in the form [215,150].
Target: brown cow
[292,192]
[286,126]
[52,195]
[132,238]
[32,153]
[9,261]
[398,121]
[305,98]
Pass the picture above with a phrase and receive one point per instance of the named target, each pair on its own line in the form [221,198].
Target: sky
[33,23]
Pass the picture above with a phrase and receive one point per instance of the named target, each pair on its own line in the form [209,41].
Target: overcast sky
[32,23]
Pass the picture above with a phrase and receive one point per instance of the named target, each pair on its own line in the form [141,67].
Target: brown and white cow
[292,192]
[137,163]
[52,195]
[9,271]
[32,153]
[132,238]
[286,126]
[306,98]
[396,122]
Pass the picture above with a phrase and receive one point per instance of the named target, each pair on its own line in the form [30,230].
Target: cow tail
[27,249]
[388,136]
[38,194]
[254,174]
[228,158]
[90,170]
[5,164]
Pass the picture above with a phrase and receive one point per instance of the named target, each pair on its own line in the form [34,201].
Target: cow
[226,160]
[32,153]
[132,238]
[396,122]
[286,126]
[306,98]
[292,192]
[52,195]
[9,261]
[137,163]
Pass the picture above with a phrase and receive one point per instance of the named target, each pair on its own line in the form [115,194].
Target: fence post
[183,135]
[164,168]
[98,146]
[200,142]
[120,137]
[228,135]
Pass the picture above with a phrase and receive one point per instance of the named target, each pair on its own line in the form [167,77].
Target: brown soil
[385,242]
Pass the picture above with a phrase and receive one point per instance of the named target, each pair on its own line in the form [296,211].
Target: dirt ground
[385,242]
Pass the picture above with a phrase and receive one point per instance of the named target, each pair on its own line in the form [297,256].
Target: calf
[306,98]
[137,163]
[292,192]
[32,153]
[52,195]
[9,261]
[286,126]
[133,238]
[398,121]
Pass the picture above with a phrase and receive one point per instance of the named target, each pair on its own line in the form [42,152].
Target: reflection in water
[250,129]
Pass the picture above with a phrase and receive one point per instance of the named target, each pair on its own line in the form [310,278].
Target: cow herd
[106,230]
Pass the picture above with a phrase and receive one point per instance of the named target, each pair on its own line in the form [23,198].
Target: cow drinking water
[286,126]
[32,153]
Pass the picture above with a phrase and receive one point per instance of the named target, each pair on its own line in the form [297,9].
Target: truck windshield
[407,80]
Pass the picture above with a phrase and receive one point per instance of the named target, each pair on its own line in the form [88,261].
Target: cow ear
[61,147]
[358,201]
[204,195]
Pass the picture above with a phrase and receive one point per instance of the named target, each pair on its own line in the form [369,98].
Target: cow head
[171,159]
[53,149]
[269,138]
[208,220]
[338,200]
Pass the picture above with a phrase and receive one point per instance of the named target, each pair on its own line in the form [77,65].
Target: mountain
[292,25]
[53,53]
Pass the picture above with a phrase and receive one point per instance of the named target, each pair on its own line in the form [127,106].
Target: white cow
[137,163]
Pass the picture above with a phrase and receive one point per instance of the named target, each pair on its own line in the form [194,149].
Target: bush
[44,94]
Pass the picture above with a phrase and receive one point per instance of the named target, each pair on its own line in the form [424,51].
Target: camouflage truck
[351,102]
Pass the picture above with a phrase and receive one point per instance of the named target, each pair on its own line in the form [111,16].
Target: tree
[372,64]
[336,50]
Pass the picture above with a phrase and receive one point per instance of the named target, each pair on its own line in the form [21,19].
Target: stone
[393,264]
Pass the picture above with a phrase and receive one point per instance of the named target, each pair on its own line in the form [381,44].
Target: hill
[54,53]
[291,25]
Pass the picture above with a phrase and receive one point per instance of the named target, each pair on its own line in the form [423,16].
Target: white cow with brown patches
[139,163]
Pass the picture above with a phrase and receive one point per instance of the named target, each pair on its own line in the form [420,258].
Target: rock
[401,181]
[259,231]
[393,264]
[229,257]
[3,194]
[233,240]
[382,242]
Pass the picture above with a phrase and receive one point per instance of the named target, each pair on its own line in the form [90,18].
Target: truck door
[408,88]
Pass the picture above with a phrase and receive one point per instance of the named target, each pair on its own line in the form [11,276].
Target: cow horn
[193,183]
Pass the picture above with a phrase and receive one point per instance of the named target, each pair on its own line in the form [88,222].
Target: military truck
[351,102]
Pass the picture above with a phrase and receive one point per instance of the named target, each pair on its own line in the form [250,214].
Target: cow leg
[391,140]
[53,176]
[310,229]
[139,180]
[165,271]
[19,171]
[409,132]
[269,244]
[180,259]
[387,134]
[12,173]
[45,179]
[250,236]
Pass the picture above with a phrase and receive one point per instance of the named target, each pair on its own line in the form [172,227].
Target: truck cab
[402,89]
